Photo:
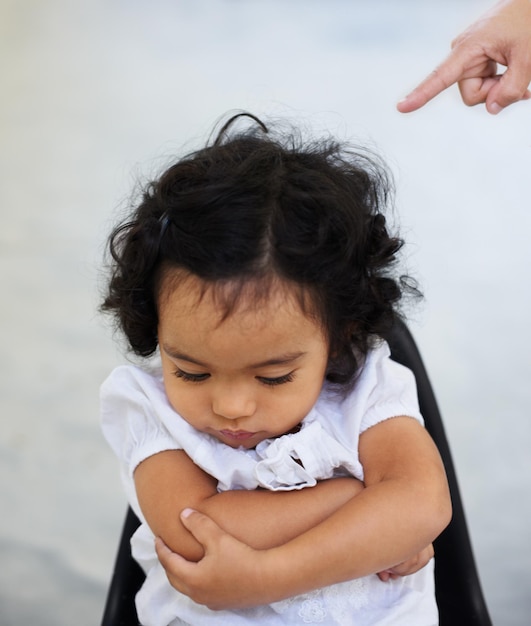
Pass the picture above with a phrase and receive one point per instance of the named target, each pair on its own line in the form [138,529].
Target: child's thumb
[202,527]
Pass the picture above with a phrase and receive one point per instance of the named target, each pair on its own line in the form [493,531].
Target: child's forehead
[197,322]
[252,297]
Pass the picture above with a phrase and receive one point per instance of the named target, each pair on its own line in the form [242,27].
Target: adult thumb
[512,87]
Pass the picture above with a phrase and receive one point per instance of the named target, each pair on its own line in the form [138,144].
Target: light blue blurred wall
[95,93]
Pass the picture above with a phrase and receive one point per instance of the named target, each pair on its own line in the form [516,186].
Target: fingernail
[403,100]
[495,108]
[186,513]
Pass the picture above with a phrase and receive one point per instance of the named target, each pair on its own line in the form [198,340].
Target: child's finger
[167,558]
[202,527]
[177,568]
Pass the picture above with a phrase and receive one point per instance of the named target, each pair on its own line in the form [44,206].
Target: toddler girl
[257,446]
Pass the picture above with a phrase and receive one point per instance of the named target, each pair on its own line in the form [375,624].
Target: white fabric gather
[298,460]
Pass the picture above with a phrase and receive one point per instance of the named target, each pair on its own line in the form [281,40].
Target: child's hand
[229,574]
[408,567]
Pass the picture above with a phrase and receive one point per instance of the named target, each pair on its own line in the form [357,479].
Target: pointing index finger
[442,77]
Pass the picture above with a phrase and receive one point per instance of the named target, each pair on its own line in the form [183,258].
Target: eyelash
[280,380]
[270,382]
[191,378]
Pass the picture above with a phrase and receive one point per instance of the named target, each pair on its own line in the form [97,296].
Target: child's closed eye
[278,380]
[191,378]
[265,380]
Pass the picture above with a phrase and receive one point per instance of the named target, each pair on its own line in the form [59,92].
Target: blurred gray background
[94,95]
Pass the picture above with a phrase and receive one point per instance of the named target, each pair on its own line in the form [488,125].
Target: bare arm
[169,482]
[500,37]
[404,506]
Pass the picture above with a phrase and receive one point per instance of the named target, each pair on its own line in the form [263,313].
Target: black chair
[458,588]
[127,578]
[457,585]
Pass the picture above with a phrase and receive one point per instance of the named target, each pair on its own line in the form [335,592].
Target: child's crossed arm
[249,548]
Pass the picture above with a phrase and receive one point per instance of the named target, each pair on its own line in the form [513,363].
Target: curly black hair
[251,206]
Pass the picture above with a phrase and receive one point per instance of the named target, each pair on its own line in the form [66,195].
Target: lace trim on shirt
[337,602]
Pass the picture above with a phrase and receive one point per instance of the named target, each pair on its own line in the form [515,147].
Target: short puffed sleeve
[132,404]
[387,388]
[383,389]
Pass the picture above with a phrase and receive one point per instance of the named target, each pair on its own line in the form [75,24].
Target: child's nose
[233,403]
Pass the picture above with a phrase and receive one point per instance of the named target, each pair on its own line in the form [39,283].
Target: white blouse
[138,421]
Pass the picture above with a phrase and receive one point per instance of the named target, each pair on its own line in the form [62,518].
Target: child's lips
[237,435]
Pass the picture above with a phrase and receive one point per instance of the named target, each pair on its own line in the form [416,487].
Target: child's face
[252,376]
